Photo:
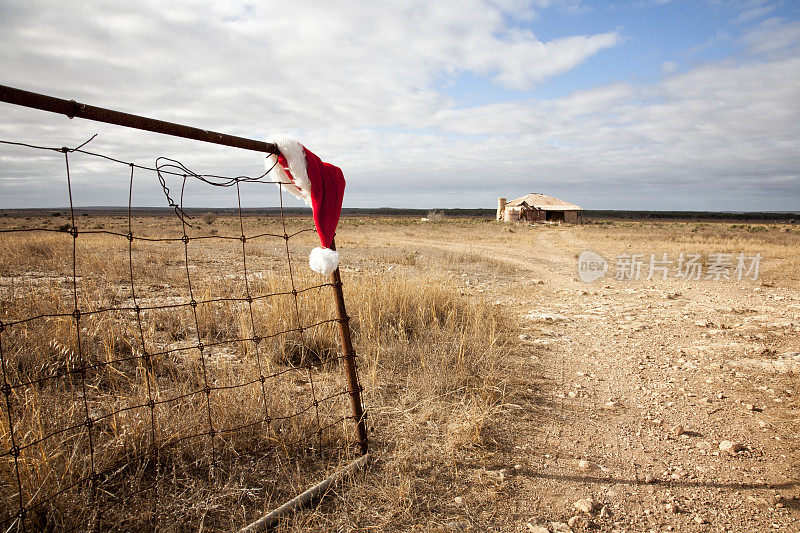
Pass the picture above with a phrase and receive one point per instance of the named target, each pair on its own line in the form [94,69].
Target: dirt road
[662,405]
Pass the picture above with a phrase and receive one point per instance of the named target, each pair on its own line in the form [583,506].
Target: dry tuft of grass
[437,368]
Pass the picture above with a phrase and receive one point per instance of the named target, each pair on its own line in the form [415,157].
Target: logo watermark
[633,267]
[591,266]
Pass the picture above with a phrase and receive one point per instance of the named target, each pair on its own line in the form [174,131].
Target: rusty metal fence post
[354,387]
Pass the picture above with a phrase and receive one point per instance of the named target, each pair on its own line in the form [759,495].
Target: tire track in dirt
[622,381]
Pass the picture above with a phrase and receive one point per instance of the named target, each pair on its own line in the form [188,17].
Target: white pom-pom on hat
[323,260]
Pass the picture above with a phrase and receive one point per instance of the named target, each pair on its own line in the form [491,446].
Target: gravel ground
[662,405]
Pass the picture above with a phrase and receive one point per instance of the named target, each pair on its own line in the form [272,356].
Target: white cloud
[729,135]
[669,67]
[774,35]
[523,61]
[749,15]
[360,84]
[718,38]
[356,62]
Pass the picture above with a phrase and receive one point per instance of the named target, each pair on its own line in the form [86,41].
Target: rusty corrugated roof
[543,202]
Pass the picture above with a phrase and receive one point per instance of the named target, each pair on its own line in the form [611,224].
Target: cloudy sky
[651,104]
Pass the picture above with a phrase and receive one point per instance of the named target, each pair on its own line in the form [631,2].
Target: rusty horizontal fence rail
[316,492]
[73,109]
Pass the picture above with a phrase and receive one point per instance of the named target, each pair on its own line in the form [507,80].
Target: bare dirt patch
[506,395]
[671,405]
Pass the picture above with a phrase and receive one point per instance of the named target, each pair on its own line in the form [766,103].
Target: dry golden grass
[475,241]
[429,357]
[777,243]
[436,361]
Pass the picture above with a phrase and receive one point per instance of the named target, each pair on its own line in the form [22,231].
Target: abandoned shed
[536,207]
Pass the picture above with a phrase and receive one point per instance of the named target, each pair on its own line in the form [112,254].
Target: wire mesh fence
[163,370]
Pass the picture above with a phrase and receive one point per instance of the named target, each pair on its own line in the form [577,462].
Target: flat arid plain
[503,392]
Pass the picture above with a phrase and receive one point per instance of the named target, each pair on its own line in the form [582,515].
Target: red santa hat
[318,184]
